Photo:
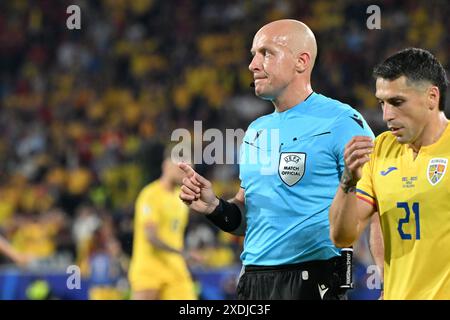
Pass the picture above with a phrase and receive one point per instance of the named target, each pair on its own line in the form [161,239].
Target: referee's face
[272,65]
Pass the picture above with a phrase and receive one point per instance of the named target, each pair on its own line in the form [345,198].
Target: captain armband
[227,216]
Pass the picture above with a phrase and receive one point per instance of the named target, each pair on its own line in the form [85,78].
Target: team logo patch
[387,171]
[436,170]
[291,167]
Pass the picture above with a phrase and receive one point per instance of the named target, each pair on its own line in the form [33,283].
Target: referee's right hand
[196,191]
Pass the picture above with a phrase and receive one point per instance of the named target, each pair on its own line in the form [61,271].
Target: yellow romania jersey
[150,267]
[412,197]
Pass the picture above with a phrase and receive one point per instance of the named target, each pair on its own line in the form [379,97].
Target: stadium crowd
[85,114]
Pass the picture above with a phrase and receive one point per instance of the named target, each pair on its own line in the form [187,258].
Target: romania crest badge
[436,170]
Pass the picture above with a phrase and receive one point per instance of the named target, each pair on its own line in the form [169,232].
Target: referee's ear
[303,62]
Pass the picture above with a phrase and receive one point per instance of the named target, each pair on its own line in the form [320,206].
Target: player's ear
[433,96]
[302,62]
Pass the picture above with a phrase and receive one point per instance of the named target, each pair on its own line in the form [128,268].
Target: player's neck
[290,98]
[431,134]
[167,183]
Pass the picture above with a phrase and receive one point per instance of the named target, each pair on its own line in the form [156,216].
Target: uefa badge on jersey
[436,170]
[291,167]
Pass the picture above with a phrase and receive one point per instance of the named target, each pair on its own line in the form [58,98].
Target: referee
[290,166]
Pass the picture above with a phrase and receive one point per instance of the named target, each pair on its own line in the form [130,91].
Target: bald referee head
[284,52]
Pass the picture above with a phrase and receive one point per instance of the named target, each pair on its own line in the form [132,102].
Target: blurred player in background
[9,251]
[158,268]
[402,178]
[282,208]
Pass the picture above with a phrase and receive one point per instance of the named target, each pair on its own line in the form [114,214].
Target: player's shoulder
[386,143]
[151,190]
[385,137]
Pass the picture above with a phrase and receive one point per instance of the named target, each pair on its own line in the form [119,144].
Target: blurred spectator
[108,266]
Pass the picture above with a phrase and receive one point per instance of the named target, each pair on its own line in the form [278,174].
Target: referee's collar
[297,106]
[308,96]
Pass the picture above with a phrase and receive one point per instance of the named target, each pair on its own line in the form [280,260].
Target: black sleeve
[227,216]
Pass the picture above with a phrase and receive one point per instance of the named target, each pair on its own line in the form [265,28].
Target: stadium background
[84,116]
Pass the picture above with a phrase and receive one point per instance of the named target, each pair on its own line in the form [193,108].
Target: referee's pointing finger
[187,169]
[203,181]
[190,173]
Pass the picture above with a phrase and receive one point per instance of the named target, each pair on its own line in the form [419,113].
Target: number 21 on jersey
[406,220]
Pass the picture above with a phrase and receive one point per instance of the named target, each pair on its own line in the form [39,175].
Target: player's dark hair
[416,65]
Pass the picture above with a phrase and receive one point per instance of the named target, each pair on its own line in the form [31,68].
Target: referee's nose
[255,64]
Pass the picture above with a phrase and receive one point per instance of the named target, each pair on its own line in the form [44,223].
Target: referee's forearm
[229,217]
[240,231]
[240,205]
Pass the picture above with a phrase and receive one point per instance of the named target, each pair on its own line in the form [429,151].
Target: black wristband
[227,216]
